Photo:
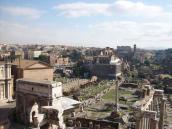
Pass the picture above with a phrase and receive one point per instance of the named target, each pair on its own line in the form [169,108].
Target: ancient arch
[33,111]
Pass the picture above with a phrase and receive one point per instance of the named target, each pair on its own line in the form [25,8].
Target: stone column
[4,95]
[90,125]
[154,124]
[117,84]
[81,108]
[152,104]
[162,111]
[146,123]
[138,123]
[139,120]
[144,93]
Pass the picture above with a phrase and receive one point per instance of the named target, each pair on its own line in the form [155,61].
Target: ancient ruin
[150,110]
[40,103]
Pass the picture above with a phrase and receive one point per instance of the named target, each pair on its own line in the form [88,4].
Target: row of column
[147,123]
[5,91]
[150,122]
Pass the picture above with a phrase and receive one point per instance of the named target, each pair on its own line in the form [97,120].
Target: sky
[98,23]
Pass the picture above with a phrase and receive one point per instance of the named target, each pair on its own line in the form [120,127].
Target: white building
[36,54]
[6,81]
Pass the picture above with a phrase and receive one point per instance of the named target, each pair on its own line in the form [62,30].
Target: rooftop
[66,103]
[26,63]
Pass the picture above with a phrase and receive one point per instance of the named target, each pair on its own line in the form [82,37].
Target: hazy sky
[147,23]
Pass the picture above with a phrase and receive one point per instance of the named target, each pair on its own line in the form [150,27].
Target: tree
[147,62]
[44,58]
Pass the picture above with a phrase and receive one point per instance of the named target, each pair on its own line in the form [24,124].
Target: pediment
[37,65]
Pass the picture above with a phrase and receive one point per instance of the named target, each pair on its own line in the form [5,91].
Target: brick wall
[39,74]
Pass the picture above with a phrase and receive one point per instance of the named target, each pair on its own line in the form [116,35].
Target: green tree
[44,58]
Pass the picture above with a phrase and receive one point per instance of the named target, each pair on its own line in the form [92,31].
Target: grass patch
[93,90]
[110,95]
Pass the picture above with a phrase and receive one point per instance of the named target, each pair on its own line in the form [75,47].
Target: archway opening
[33,114]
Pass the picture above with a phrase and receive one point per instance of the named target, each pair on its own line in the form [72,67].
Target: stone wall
[93,124]
[105,70]
[4,124]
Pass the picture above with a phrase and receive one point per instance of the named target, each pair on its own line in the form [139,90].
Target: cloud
[82,9]
[144,33]
[112,33]
[21,11]
[21,33]
[124,7]
[138,8]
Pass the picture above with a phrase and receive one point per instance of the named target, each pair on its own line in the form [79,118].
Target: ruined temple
[150,110]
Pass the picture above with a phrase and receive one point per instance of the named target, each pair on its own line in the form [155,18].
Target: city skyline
[97,23]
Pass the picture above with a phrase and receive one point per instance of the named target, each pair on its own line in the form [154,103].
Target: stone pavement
[5,108]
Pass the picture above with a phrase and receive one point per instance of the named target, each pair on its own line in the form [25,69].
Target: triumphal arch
[40,103]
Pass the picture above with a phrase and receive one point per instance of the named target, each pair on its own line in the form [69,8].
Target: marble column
[162,111]
[138,123]
[141,123]
[152,105]
[148,123]
[154,124]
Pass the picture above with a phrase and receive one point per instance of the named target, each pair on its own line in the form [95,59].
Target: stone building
[55,60]
[17,53]
[6,81]
[3,47]
[62,61]
[124,52]
[104,66]
[28,54]
[107,51]
[31,69]
[41,103]
[36,54]
[4,55]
